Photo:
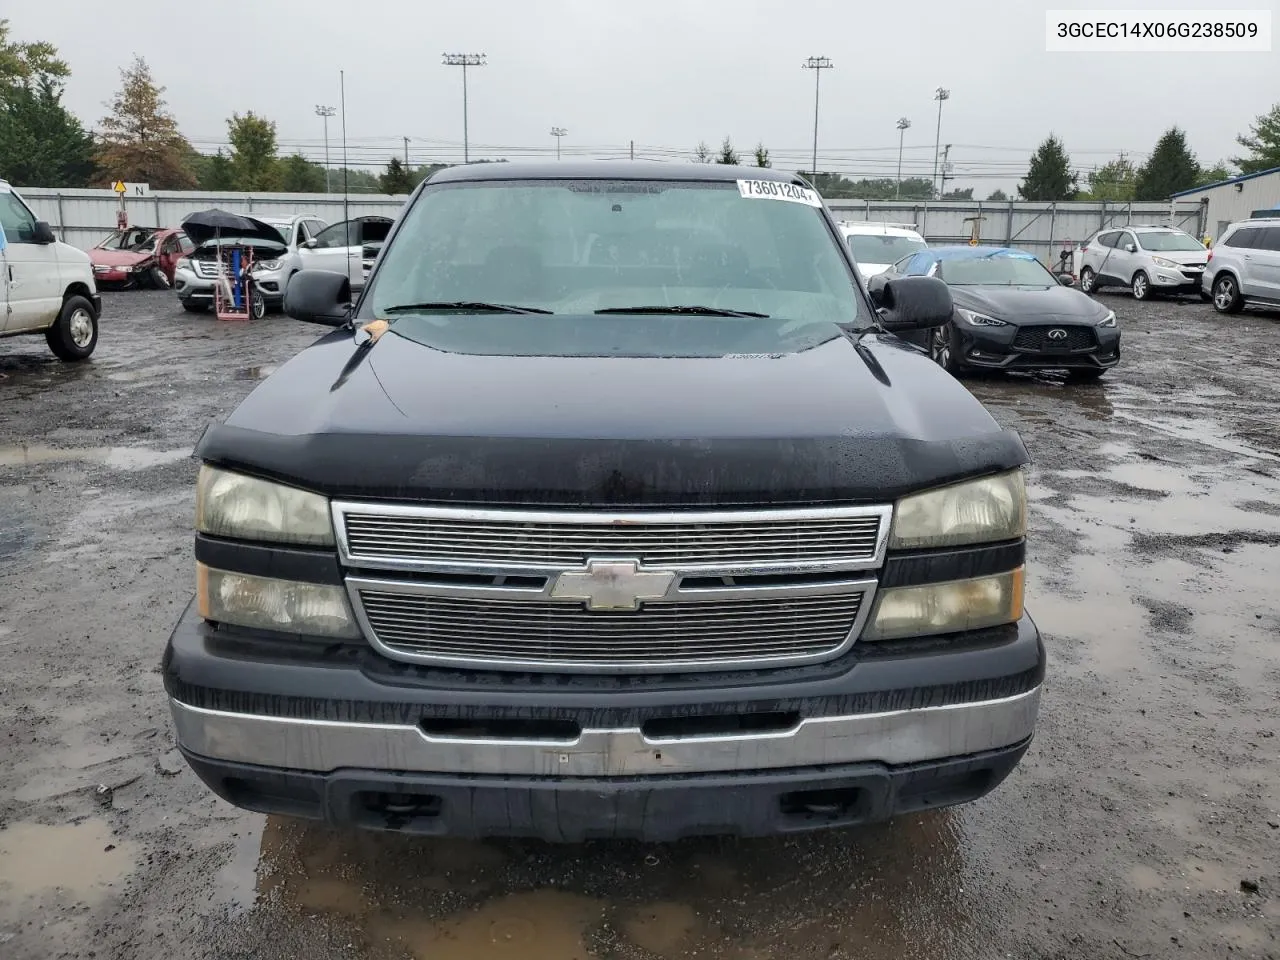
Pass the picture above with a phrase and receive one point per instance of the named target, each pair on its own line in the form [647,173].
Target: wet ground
[1144,821]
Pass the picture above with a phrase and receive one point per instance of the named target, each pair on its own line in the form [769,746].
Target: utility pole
[903,124]
[406,153]
[633,149]
[940,95]
[558,133]
[817,65]
[946,169]
[326,112]
[464,60]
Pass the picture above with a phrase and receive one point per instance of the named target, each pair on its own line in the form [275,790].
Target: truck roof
[608,170]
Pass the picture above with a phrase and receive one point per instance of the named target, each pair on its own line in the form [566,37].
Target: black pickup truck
[613,507]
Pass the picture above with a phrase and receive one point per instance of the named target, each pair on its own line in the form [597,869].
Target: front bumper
[997,348]
[340,733]
[1168,280]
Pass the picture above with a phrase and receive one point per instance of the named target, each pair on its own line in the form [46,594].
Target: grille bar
[548,635]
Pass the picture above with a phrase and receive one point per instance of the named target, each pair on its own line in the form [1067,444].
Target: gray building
[1239,198]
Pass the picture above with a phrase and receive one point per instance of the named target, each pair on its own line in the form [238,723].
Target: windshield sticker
[777,190]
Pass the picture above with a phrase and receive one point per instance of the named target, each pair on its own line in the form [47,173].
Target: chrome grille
[801,539]
[209,268]
[480,630]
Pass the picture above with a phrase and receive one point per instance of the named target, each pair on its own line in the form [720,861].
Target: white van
[48,286]
[877,245]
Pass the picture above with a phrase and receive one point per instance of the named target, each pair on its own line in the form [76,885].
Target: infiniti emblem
[613,585]
[1057,334]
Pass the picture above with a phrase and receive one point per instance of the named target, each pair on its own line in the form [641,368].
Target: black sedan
[1011,313]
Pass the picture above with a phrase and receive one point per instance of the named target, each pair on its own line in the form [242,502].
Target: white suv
[1147,260]
[1244,266]
[876,246]
[47,286]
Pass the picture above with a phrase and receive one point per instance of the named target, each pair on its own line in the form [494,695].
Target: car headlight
[289,606]
[1109,320]
[979,319]
[245,508]
[950,607]
[184,263]
[977,511]
[267,265]
[1162,262]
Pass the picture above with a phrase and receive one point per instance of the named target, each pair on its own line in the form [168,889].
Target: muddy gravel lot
[1144,821]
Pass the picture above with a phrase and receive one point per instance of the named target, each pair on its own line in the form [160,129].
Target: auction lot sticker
[778,190]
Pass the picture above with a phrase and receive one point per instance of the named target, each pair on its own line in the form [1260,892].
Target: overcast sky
[664,74]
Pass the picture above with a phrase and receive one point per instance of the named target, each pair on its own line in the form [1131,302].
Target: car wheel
[191,307]
[1084,376]
[1226,295]
[257,305]
[1087,280]
[942,348]
[159,279]
[75,333]
[1141,286]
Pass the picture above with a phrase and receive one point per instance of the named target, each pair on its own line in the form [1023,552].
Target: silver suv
[1244,266]
[1147,260]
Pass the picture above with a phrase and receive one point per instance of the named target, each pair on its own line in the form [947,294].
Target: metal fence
[83,217]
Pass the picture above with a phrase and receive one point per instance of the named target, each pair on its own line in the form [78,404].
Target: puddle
[118,458]
[257,373]
[36,859]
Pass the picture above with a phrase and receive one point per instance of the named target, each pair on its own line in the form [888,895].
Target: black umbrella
[207,224]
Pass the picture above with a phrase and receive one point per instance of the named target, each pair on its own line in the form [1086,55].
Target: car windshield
[134,241]
[579,247]
[285,229]
[882,248]
[1002,271]
[1169,242]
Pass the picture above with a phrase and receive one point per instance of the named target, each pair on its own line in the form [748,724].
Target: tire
[1088,281]
[1085,376]
[1141,286]
[942,349]
[257,305]
[1226,294]
[75,333]
[158,279]
[191,307]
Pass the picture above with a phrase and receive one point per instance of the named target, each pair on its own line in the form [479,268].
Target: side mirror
[309,244]
[319,296]
[1131,248]
[43,233]
[912,303]
[1066,279]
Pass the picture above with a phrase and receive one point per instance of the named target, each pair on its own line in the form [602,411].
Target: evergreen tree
[998,196]
[762,156]
[1049,175]
[1262,142]
[139,140]
[1215,174]
[727,154]
[41,143]
[1170,168]
[297,174]
[702,154]
[397,179]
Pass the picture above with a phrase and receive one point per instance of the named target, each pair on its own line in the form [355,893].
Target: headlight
[977,511]
[1162,262]
[246,508]
[126,268]
[950,607]
[267,265]
[184,263]
[979,319]
[1109,320]
[264,603]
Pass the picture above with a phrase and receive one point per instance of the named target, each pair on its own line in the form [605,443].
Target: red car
[138,256]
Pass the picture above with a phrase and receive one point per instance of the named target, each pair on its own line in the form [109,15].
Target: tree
[139,139]
[998,196]
[762,156]
[297,174]
[41,142]
[965,194]
[1049,175]
[1170,168]
[24,65]
[426,170]
[702,154]
[397,180]
[1114,181]
[253,152]
[1262,142]
[727,154]
[1215,174]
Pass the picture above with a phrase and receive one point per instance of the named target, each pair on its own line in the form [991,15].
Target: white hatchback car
[1147,260]
[876,245]
[45,286]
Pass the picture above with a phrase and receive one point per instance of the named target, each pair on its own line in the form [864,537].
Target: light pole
[939,95]
[558,133]
[326,112]
[817,65]
[464,60]
[903,124]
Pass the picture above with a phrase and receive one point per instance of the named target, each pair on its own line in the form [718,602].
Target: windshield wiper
[472,306]
[690,309]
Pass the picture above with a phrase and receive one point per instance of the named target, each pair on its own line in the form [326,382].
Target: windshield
[1169,242]
[578,247]
[881,248]
[285,230]
[995,271]
[135,240]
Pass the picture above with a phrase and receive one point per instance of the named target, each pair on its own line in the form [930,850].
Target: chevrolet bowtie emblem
[613,585]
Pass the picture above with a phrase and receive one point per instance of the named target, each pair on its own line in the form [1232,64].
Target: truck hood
[405,421]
